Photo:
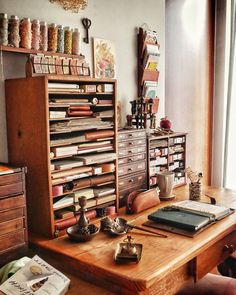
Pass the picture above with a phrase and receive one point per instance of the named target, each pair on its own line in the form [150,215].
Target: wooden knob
[131,180]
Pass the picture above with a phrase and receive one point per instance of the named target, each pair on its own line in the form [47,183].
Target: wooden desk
[166,264]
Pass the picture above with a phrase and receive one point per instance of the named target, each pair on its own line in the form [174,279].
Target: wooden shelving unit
[32,141]
[167,153]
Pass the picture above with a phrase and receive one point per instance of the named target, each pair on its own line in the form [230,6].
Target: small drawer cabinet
[131,162]
[13,221]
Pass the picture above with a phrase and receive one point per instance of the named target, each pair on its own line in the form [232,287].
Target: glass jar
[14,31]
[68,40]
[3,29]
[25,33]
[76,42]
[60,39]
[35,34]
[52,38]
[43,42]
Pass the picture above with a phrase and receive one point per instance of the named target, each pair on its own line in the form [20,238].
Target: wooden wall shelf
[32,51]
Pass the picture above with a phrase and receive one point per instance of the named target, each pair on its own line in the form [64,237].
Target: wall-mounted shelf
[32,51]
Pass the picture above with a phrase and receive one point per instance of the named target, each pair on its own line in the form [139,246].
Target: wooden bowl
[73,233]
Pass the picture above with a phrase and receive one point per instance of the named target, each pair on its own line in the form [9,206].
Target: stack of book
[188,216]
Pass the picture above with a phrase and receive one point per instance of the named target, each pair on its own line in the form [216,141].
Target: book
[180,219]
[36,277]
[67,164]
[64,151]
[95,149]
[63,202]
[63,85]
[4,169]
[209,210]
[104,191]
[57,114]
[87,192]
[98,158]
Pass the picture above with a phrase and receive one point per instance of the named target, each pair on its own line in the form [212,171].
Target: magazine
[37,277]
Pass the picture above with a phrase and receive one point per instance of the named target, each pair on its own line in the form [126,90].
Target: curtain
[229,176]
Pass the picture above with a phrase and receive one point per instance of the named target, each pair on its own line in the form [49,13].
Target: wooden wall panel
[189,76]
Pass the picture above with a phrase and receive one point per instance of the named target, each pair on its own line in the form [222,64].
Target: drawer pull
[131,180]
[130,135]
[229,248]
[131,143]
[129,160]
[130,169]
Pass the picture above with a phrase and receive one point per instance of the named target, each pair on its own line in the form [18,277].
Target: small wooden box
[89,88]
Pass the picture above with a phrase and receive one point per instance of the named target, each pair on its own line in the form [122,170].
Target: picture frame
[104,58]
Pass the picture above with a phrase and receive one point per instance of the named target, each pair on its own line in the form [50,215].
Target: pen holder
[195,191]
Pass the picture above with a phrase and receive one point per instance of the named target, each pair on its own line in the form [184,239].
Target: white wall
[112,20]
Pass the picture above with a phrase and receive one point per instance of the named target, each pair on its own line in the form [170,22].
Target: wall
[112,20]
[189,76]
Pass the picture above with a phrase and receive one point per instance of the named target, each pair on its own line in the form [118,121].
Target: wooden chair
[211,284]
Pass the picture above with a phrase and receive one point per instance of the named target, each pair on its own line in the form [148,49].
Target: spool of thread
[57,190]
[111,210]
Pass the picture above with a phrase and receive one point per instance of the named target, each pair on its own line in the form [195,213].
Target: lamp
[73,5]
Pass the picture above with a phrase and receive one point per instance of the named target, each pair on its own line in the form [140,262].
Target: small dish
[73,233]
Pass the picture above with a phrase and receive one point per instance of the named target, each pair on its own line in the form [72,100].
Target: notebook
[180,219]
[214,211]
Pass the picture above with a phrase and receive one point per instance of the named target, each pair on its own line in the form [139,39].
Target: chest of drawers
[132,161]
[13,221]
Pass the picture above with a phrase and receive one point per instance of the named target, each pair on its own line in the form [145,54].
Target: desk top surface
[160,256]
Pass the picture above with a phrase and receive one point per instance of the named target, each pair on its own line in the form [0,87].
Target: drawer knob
[131,180]
[229,248]
[130,169]
[131,143]
[129,160]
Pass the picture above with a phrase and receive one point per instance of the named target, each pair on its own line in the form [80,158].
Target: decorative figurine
[128,251]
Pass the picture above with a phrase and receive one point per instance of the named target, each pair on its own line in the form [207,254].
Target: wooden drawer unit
[132,159]
[132,180]
[131,168]
[130,143]
[214,255]
[11,184]
[132,151]
[13,222]
[131,134]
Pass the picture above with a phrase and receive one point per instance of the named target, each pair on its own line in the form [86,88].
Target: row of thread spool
[38,35]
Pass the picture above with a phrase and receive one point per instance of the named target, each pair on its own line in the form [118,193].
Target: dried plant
[73,5]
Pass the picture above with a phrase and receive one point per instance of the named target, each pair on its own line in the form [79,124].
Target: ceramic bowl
[73,233]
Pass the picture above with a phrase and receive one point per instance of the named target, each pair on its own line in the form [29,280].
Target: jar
[14,31]
[43,42]
[3,29]
[60,39]
[25,33]
[52,38]
[35,34]
[76,42]
[68,41]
